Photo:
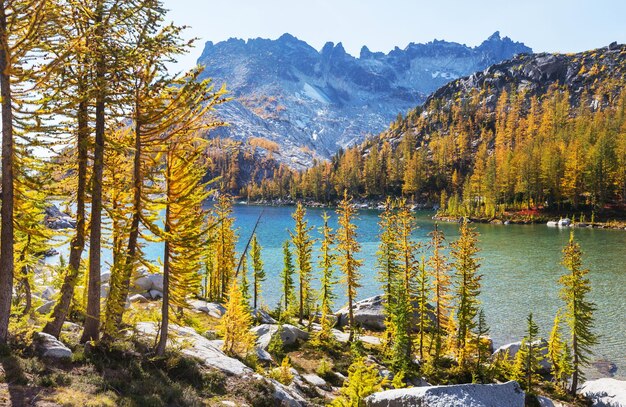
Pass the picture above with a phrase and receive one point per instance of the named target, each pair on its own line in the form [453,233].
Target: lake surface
[520,267]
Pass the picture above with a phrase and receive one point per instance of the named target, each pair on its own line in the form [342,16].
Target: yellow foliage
[264,143]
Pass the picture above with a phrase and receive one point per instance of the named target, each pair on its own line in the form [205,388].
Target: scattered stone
[605,392]
[512,348]
[48,293]
[285,396]
[289,334]
[199,347]
[46,307]
[370,314]
[316,381]
[263,355]
[157,281]
[143,284]
[212,308]
[155,294]
[605,367]
[50,347]
[261,316]
[71,327]
[546,402]
[138,298]
[104,290]
[105,277]
[463,395]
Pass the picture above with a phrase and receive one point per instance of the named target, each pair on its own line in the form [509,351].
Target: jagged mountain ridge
[312,103]
[528,75]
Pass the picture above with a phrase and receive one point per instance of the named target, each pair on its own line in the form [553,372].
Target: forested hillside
[540,130]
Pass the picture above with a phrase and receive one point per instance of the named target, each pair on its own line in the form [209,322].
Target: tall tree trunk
[121,285]
[53,327]
[6,210]
[92,319]
[160,349]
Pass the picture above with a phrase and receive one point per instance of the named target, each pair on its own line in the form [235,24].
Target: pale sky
[544,25]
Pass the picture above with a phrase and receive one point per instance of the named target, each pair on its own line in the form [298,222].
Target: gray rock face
[48,293]
[104,290]
[143,284]
[50,347]
[513,348]
[289,334]
[536,73]
[198,346]
[155,294]
[46,307]
[288,92]
[605,392]
[157,281]
[369,313]
[263,317]
[55,219]
[137,298]
[463,395]
[317,381]
[213,309]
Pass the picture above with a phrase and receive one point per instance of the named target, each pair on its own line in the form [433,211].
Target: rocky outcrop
[605,392]
[289,334]
[370,314]
[55,219]
[463,395]
[211,308]
[50,347]
[311,103]
[197,346]
[535,73]
[261,316]
[511,350]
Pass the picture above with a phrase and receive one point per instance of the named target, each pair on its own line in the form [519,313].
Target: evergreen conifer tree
[236,323]
[348,247]
[441,284]
[528,358]
[286,278]
[303,243]
[467,283]
[327,296]
[559,354]
[257,270]
[362,381]
[578,310]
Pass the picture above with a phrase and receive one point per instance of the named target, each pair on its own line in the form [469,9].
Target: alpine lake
[520,267]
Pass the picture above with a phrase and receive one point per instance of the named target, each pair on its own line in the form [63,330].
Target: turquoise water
[520,266]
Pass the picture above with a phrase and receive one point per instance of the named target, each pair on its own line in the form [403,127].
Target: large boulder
[45,307]
[463,395]
[195,345]
[261,316]
[511,350]
[143,284]
[48,293]
[289,334]
[157,281]
[605,392]
[104,290]
[370,313]
[137,298]
[211,308]
[50,347]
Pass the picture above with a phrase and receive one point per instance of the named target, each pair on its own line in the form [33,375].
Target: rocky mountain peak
[312,103]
